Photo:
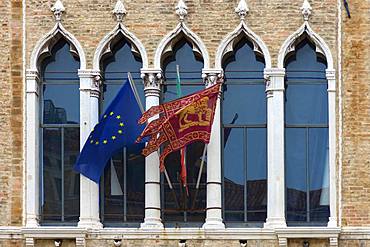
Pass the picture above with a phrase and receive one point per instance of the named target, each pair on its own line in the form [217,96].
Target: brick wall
[11,112]
[356,115]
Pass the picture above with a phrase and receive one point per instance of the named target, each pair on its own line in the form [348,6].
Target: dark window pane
[62,65]
[61,104]
[51,204]
[234,175]
[319,174]
[135,181]
[247,101]
[115,68]
[71,178]
[123,181]
[295,178]
[256,174]
[178,207]
[306,104]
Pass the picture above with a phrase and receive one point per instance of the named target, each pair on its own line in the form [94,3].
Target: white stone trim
[289,45]
[167,43]
[45,44]
[104,46]
[227,45]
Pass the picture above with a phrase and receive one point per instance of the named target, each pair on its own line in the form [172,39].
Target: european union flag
[116,129]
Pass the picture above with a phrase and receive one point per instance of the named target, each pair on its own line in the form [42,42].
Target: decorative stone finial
[181,10]
[242,9]
[119,11]
[58,10]
[306,10]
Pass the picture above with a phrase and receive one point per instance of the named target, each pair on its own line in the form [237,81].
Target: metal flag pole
[134,89]
[199,175]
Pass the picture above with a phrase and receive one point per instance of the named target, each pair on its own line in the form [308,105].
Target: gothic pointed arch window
[244,129]
[306,135]
[122,185]
[179,204]
[59,133]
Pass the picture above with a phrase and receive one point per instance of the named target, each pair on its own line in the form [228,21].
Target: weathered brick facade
[273,20]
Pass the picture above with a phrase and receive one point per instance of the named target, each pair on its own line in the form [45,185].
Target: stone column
[152,81]
[214,169]
[275,149]
[89,115]
[330,76]
[32,151]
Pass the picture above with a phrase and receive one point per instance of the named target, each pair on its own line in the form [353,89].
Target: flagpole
[199,175]
[134,89]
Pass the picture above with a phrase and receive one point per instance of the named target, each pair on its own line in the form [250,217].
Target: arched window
[306,136]
[60,134]
[244,135]
[122,186]
[177,205]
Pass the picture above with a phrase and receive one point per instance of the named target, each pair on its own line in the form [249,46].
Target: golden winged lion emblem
[196,114]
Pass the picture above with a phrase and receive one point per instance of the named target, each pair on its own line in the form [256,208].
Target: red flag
[183,121]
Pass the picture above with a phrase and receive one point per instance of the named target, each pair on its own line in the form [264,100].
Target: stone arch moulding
[228,43]
[290,44]
[45,44]
[106,43]
[167,43]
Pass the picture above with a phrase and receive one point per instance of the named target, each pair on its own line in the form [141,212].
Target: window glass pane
[256,174]
[247,101]
[295,178]
[62,65]
[123,181]
[51,205]
[319,174]
[135,180]
[71,178]
[234,174]
[306,104]
[115,68]
[61,104]
[178,206]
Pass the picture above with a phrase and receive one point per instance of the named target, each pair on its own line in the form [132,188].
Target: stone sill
[46,232]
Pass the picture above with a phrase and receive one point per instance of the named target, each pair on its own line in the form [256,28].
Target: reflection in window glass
[60,136]
[244,137]
[306,137]
[177,206]
[122,186]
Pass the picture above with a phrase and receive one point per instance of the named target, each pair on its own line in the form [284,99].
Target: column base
[332,222]
[32,222]
[152,224]
[273,223]
[90,223]
[213,224]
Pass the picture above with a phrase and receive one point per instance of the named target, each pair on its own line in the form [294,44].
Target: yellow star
[96,143]
[92,141]
[121,124]
[90,137]
[118,117]
[111,113]
[105,116]
[105,141]
[119,131]
[114,137]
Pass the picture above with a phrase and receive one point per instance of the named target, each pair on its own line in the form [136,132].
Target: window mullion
[62,171]
[245,174]
[124,183]
[307,176]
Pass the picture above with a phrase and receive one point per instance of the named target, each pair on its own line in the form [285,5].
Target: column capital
[32,74]
[212,76]
[91,81]
[153,79]
[274,72]
[330,74]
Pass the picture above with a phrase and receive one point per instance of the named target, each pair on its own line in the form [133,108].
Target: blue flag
[116,129]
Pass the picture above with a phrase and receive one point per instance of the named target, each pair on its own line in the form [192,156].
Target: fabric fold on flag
[117,128]
[184,121]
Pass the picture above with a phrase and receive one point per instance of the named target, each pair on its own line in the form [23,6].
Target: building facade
[288,163]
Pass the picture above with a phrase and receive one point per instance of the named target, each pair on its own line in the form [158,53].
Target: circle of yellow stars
[114,136]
